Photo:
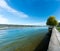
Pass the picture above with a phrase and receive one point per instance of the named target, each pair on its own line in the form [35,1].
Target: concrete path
[54,44]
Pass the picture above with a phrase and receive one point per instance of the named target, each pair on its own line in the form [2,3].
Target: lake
[21,39]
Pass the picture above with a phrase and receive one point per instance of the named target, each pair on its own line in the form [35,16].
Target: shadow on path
[43,46]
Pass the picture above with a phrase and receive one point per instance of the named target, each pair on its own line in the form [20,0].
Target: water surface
[21,39]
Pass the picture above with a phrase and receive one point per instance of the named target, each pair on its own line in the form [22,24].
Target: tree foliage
[52,21]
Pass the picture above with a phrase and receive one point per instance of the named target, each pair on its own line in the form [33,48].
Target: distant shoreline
[4,26]
[8,27]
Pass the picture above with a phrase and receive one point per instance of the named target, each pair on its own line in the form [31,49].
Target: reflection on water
[2,35]
[21,39]
[2,32]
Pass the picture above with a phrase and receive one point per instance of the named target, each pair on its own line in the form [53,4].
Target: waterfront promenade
[54,44]
[51,41]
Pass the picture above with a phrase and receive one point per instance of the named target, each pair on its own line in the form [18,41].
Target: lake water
[21,39]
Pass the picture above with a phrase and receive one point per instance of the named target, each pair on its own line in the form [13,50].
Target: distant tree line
[11,25]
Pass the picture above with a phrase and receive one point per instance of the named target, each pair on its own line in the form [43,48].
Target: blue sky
[33,12]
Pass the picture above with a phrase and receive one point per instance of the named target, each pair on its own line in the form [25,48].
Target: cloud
[3,20]
[37,23]
[4,5]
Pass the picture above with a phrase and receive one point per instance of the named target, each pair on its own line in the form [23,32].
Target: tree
[52,21]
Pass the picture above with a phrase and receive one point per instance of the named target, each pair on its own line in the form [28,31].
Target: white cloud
[38,23]
[3,20]
[4,5]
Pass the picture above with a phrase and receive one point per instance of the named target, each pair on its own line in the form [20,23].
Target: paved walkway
[54,44]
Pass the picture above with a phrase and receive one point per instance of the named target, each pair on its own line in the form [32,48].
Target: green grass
[58,28]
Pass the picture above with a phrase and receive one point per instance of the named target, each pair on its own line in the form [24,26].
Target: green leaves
[52,21]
